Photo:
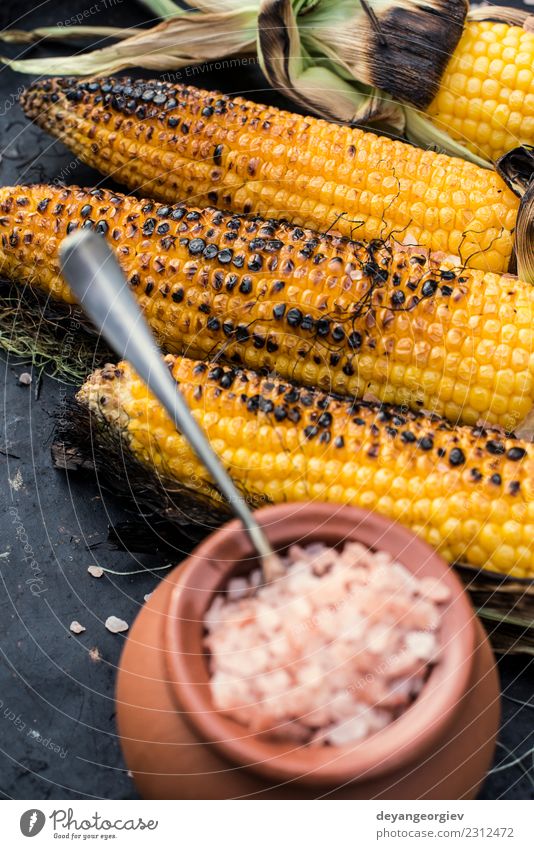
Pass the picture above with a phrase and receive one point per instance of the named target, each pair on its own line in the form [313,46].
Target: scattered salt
[115,625]
[25,378]
[95,571]
[76,628]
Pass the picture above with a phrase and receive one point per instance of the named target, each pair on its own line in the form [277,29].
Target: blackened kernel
[334,359]
[516,453]
[476,474]
[348,369]
[207,112]
[253,403]
[307,322]
[322,326]
[258,341]
[339,442]
[239,260]
[256,244]
[163,228]
[292,396]
[426,443]
[495,447]
[227,379]
[242,333]
[41,206]
[245,287]
[173,122]
[310,431]
[225,255]
[178,213]
[178,296]
[88,224]
[255,262]
[272,346]
[163,211]
[325,437]
[71,226]
[447,275]
[196,246]
[265,405]
[446,291]
[279,413]
[185,128]
[325,419]
[210,251]
[216,373]
[86,210]
[217,154]
[134,280]
[306,399]
[231,282]
[398,298]
[514,487]
[149,226]
[496,479]
[407,436]
[228,328]
[101,227]
[278,285]
[429,288]
[293,415]
[355,340]
[294,317]
[204,308]
[148,288]
[192,215]
[338,334]
[456,457]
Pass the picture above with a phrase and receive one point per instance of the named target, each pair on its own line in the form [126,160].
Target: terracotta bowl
[178,746]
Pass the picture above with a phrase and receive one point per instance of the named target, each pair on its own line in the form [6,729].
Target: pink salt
[331,652]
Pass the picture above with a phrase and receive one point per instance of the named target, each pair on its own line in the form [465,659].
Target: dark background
[50,683]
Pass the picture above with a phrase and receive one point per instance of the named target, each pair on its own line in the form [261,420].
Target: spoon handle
[96,279]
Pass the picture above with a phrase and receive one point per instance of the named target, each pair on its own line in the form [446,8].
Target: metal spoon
[96,279]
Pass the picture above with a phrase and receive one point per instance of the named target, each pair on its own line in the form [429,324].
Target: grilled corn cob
[486,95]
[469,492]
[350,318]
[175,142]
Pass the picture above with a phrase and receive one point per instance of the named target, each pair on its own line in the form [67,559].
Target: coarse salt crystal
[331,652]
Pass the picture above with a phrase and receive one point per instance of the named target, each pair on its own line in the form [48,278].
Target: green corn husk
[369,62]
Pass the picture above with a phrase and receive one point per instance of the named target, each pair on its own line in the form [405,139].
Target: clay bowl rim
[412,735]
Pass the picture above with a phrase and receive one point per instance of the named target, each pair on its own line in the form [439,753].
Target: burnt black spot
[196,246]
[178,296]
[457,457]
[496,479]
[398,298]
[516,453]
[495,447]
[407,436]
[279,310]
[294,317]
[429,288]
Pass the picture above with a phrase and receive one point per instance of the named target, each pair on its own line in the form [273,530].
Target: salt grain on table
[76,628]
[332,652]
[115,625]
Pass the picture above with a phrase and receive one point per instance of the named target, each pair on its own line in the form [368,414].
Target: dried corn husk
[517,170]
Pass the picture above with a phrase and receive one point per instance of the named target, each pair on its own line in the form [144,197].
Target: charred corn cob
[486,95]
[175,142]
[469,492]
[347,317]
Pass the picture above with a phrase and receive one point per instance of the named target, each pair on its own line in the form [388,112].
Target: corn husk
[517,170]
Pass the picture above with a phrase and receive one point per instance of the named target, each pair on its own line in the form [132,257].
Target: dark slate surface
[57,731]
